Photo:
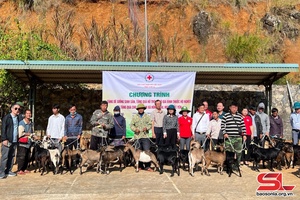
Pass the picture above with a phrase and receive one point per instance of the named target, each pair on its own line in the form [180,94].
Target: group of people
[234,129]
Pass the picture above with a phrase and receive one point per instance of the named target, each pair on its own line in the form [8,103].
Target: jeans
[144,144]
[200,138]
[296,137]
[185,142]
[7,157]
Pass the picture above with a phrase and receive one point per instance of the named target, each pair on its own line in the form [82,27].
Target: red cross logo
[149,77]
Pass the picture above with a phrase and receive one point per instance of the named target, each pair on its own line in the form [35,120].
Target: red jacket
[185,124]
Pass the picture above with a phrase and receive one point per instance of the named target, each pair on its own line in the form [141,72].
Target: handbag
[23,140]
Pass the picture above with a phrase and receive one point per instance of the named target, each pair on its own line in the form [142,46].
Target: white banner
[127,89]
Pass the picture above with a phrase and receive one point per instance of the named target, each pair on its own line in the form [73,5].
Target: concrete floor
[143,185]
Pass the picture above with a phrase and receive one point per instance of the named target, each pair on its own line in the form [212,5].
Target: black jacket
[7,128]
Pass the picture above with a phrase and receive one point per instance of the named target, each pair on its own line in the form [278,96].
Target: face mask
[73,113]
[116,113]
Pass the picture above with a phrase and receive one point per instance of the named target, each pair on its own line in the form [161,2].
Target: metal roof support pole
[268,88]
[32,97]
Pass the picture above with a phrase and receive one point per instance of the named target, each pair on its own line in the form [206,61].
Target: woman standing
[185,128]
[25,130]
[170,126]
[249,135]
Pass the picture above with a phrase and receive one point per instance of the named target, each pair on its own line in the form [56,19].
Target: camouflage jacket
[140,123]
[100,118]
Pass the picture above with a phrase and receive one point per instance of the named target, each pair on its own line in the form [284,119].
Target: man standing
[10,125]
[140,124]
[276,124]
[157,117]
[233,128]
[295,122]
[256,125]
[21,115]
[56,127]
[102,121]
[207,111]
[73,128]
[23,149]
[265,121]
[200,124]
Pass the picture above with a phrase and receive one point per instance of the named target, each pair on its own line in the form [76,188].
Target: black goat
[232,163]
[166,155]
[258,153]
[116,155]
[42,158]
[184,158]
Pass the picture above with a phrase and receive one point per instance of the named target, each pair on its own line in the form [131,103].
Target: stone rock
[201,26]
[295,14]
[270,22]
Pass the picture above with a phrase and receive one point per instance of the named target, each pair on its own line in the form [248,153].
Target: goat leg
[173,170]
[161,166]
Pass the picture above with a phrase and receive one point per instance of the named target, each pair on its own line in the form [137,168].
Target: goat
[231,163]
[42,158]
[216,157]
[196,155]
[85,140]
[112,156]
[166,155]
[55,158]
[286,156]
[184,158]
[140,155]
[90,156]
[259,153]
[68,156]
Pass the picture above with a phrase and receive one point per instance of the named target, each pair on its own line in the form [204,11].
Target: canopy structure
[91,72]
[35,72]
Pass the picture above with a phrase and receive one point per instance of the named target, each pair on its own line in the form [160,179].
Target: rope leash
[238,151]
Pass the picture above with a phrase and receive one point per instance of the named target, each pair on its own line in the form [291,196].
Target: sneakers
[26,171]
[11,174]
[2,176]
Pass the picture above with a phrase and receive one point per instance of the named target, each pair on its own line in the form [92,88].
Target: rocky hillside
[179,30]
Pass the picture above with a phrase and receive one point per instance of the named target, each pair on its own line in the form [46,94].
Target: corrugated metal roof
[91,71]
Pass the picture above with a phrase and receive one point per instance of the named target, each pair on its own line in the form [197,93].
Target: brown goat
[85,140]
[137,154]
[67,156]
[112,156]
[216,157]
[196,155]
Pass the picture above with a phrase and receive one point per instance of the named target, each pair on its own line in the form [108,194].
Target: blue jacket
[73,126]
[119,128]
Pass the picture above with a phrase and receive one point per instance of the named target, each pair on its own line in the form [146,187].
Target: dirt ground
[143,185]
